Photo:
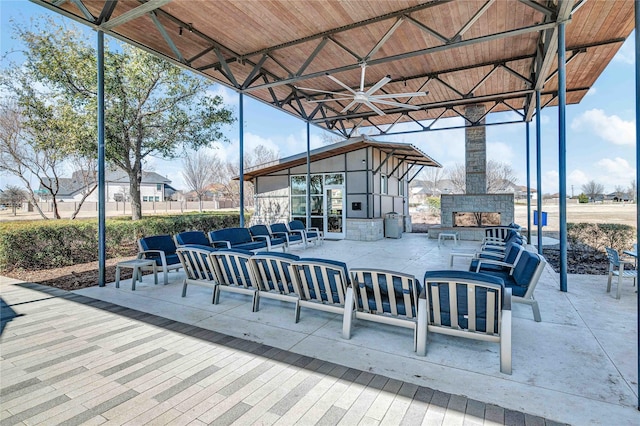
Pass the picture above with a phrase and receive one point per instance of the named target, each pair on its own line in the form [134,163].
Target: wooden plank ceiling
[491,52]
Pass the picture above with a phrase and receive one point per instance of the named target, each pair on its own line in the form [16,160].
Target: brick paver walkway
[70,360]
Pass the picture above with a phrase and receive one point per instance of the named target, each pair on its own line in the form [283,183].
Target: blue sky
[600,130]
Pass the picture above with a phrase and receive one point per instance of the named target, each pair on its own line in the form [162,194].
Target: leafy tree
[151,106]
[13,196]
[592,189]
[198,173]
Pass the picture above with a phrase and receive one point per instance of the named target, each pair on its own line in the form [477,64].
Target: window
[401,187]
[157,199]
[383,184]
[158,187]
[145,199]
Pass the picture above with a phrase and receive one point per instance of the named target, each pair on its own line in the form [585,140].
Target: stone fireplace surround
[481,203]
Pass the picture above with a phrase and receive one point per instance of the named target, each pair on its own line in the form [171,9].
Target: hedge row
[597,236]
[54,244]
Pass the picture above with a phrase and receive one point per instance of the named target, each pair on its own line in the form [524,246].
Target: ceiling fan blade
[315,101]
[374,108]
[378,85]
[319,91]
[341,84]
[395,104]
[345,109]
[399,95]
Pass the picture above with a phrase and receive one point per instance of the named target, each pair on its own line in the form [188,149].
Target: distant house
[153,188]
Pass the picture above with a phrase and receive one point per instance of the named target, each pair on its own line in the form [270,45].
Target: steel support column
[308,205]
[528,159]
[539,169]
[102,244]
[241,119]
[562,154]
[637,16]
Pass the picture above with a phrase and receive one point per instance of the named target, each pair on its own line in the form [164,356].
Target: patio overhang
[494,53]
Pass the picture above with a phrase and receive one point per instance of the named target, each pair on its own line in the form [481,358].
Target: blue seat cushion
[296,224]
[172,259]
[486,266]
[277,241]
[255,245]
[481,294]
[312,234]
[201,247]
[522,273]
[384,287]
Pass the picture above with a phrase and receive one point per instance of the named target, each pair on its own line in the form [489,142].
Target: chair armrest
[506,305]
[263,238]
[163,257]
[492,262]
[316,230]
[221,243]
[282,235]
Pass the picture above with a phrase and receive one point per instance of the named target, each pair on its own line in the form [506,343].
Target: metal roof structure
[404,152]
[280,52]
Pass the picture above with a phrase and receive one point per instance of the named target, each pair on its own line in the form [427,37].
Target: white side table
[450,235]
[136,265]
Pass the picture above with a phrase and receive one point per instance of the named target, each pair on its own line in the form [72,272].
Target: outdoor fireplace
[476,219]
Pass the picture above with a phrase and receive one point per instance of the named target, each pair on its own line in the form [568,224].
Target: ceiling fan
[366,97]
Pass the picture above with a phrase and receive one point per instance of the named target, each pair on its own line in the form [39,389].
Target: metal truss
[293,100]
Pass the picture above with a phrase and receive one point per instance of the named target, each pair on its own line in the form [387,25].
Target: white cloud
[610,128]
[545,119]
[501,152]
[592,91]
[614,172]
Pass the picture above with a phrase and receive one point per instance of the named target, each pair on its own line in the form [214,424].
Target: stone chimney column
[475,146]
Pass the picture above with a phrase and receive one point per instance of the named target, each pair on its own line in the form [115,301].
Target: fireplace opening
[476,219]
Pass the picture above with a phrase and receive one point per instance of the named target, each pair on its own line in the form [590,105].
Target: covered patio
[577,366]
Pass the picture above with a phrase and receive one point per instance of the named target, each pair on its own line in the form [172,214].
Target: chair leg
[347,318]
[609,282]
[184,288]
[216,295]
[117,277]
[505,343]
[297,310]
[536,311]
[619,283]
[422,328]
[166,275]
[256,302]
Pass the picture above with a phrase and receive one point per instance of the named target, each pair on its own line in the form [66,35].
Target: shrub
[597,236]
[53,244]
[583,199]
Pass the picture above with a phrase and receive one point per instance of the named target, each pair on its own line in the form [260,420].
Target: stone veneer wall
[482,203]
[365,229]
[475,141]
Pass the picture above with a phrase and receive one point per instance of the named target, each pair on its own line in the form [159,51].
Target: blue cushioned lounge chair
[162,249]
[382,296]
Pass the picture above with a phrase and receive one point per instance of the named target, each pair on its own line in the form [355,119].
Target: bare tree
[86,172]
[199,170]
[13,196]
[225,175]
[499,176]
[24,156]
[432,175]
[458,177]
[592,189]
[632,190]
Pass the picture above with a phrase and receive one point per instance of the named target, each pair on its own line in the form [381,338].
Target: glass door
[334,212]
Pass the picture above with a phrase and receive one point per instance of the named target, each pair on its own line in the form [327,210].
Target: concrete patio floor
[577,366]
